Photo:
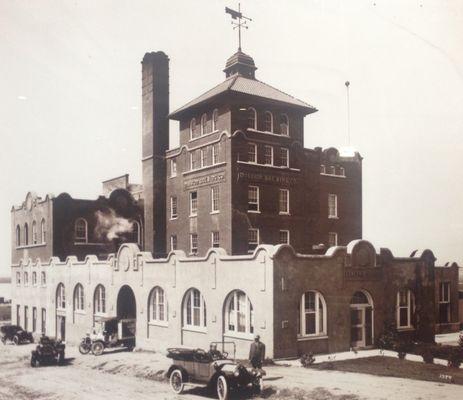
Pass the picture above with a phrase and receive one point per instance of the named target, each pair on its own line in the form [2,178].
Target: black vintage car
[15,334]
[48,351]
[211,369]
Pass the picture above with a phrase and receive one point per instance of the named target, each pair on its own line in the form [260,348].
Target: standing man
[257,353]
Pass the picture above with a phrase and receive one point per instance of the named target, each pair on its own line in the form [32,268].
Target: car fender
[174,367]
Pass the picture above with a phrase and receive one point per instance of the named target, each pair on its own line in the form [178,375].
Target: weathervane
[239,16]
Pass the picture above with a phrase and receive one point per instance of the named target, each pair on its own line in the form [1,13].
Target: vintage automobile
[48,351]
[213,369]
[109,333]
[15,334]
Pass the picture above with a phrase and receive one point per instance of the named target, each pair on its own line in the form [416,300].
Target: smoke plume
[109,226]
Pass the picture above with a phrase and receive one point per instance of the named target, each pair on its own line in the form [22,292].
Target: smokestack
[155,130]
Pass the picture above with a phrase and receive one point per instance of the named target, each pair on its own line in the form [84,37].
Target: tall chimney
[155,128]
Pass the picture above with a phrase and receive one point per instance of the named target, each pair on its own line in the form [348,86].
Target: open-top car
[48,351]
[15,334]
[211,368]
[109,333]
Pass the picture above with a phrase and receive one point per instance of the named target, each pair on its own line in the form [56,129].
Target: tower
[155,142]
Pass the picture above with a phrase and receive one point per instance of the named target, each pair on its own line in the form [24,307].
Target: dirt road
[139,376]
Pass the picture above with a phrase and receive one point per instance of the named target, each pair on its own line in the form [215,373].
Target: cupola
[240,64]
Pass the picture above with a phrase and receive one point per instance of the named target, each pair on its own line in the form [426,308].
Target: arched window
[215,119]
[99,300]
[60,297]
[79,300]
[252,118]
[194,310]
[193,128]
[26,234]
[157,306]
[34,232]
[203,124]
[34,278]
[136,233]
[268,121]
[284,125]
[80,231]
[239,313]
[26,278]
[313,314]
[405,308]
[18,236]
[43,278]
[42,231]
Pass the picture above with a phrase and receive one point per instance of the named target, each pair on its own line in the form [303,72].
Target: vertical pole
[239,27]
[348,112]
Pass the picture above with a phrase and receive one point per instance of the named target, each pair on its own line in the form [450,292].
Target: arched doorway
[127,313]
[361,319]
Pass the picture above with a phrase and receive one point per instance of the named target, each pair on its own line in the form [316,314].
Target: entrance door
[61,327]
[361,320]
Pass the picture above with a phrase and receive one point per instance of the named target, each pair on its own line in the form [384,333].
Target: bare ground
[140,376]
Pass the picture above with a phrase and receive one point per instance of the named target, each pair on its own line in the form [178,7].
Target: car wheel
[16,340]
[222,388]
[176,381]
[97,348]
[84,348]
[34,362]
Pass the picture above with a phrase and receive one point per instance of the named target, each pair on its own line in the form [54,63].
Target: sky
[70,96]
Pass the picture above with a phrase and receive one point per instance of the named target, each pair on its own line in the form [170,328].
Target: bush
[307,360]
[388,338]
[460,340]
[403,347]
[455,358]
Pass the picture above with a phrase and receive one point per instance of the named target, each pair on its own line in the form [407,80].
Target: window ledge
[284,213]
[332,217]
[215,212]
[333,175]
[239,335]
[80,312]
[254,212]
[29,246]
[301,338]
[202,136]
[87,244]
[193,216]
[173,218]
[193,254]
[268,133]
[195,329]
[192,171]
[405,328]
[282,167]
[162,324]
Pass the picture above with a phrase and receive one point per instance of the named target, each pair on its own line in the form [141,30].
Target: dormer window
[268,121]
[284,125]
[252,118]
[215,119]
[193,133]
[203,124]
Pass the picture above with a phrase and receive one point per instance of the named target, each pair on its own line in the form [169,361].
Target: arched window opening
[18,236]
[34,278]
[99,300]
[26,234]
[79,304]
[268,121]
[284,125]
[194,310]
[203,124]
[215,119]
[34,232]
[42,231]
[239,313]
[405,308]
[43,278]
[252,118]
[313,314]
[26,278]
[60,297]
[157,306]
[193,132]
[81,231]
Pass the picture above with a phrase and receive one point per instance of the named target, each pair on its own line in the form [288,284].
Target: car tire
[84,348]
[222,388]
[97,348]
[176,381]
[34,362]
[16,340]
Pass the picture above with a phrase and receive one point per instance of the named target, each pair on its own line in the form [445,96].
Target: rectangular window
[215,239]
[193,204]
[173,207]
[253,198]
[332,206]
[173,167]
[205,156]
[332,239]
[18,278]
[252,153]
[284,237]
[215,153]
[253,239]
[34,319]
[215,199]
[284,157]
[268,155]
[194,243]
[284,201]
[44,321]
[195,159]
[444,303]
[173,242]
[342,171]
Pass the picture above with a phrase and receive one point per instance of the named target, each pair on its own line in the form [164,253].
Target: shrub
[403,347]
[460,340]
[388,338]
[307,360]
[455,358]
